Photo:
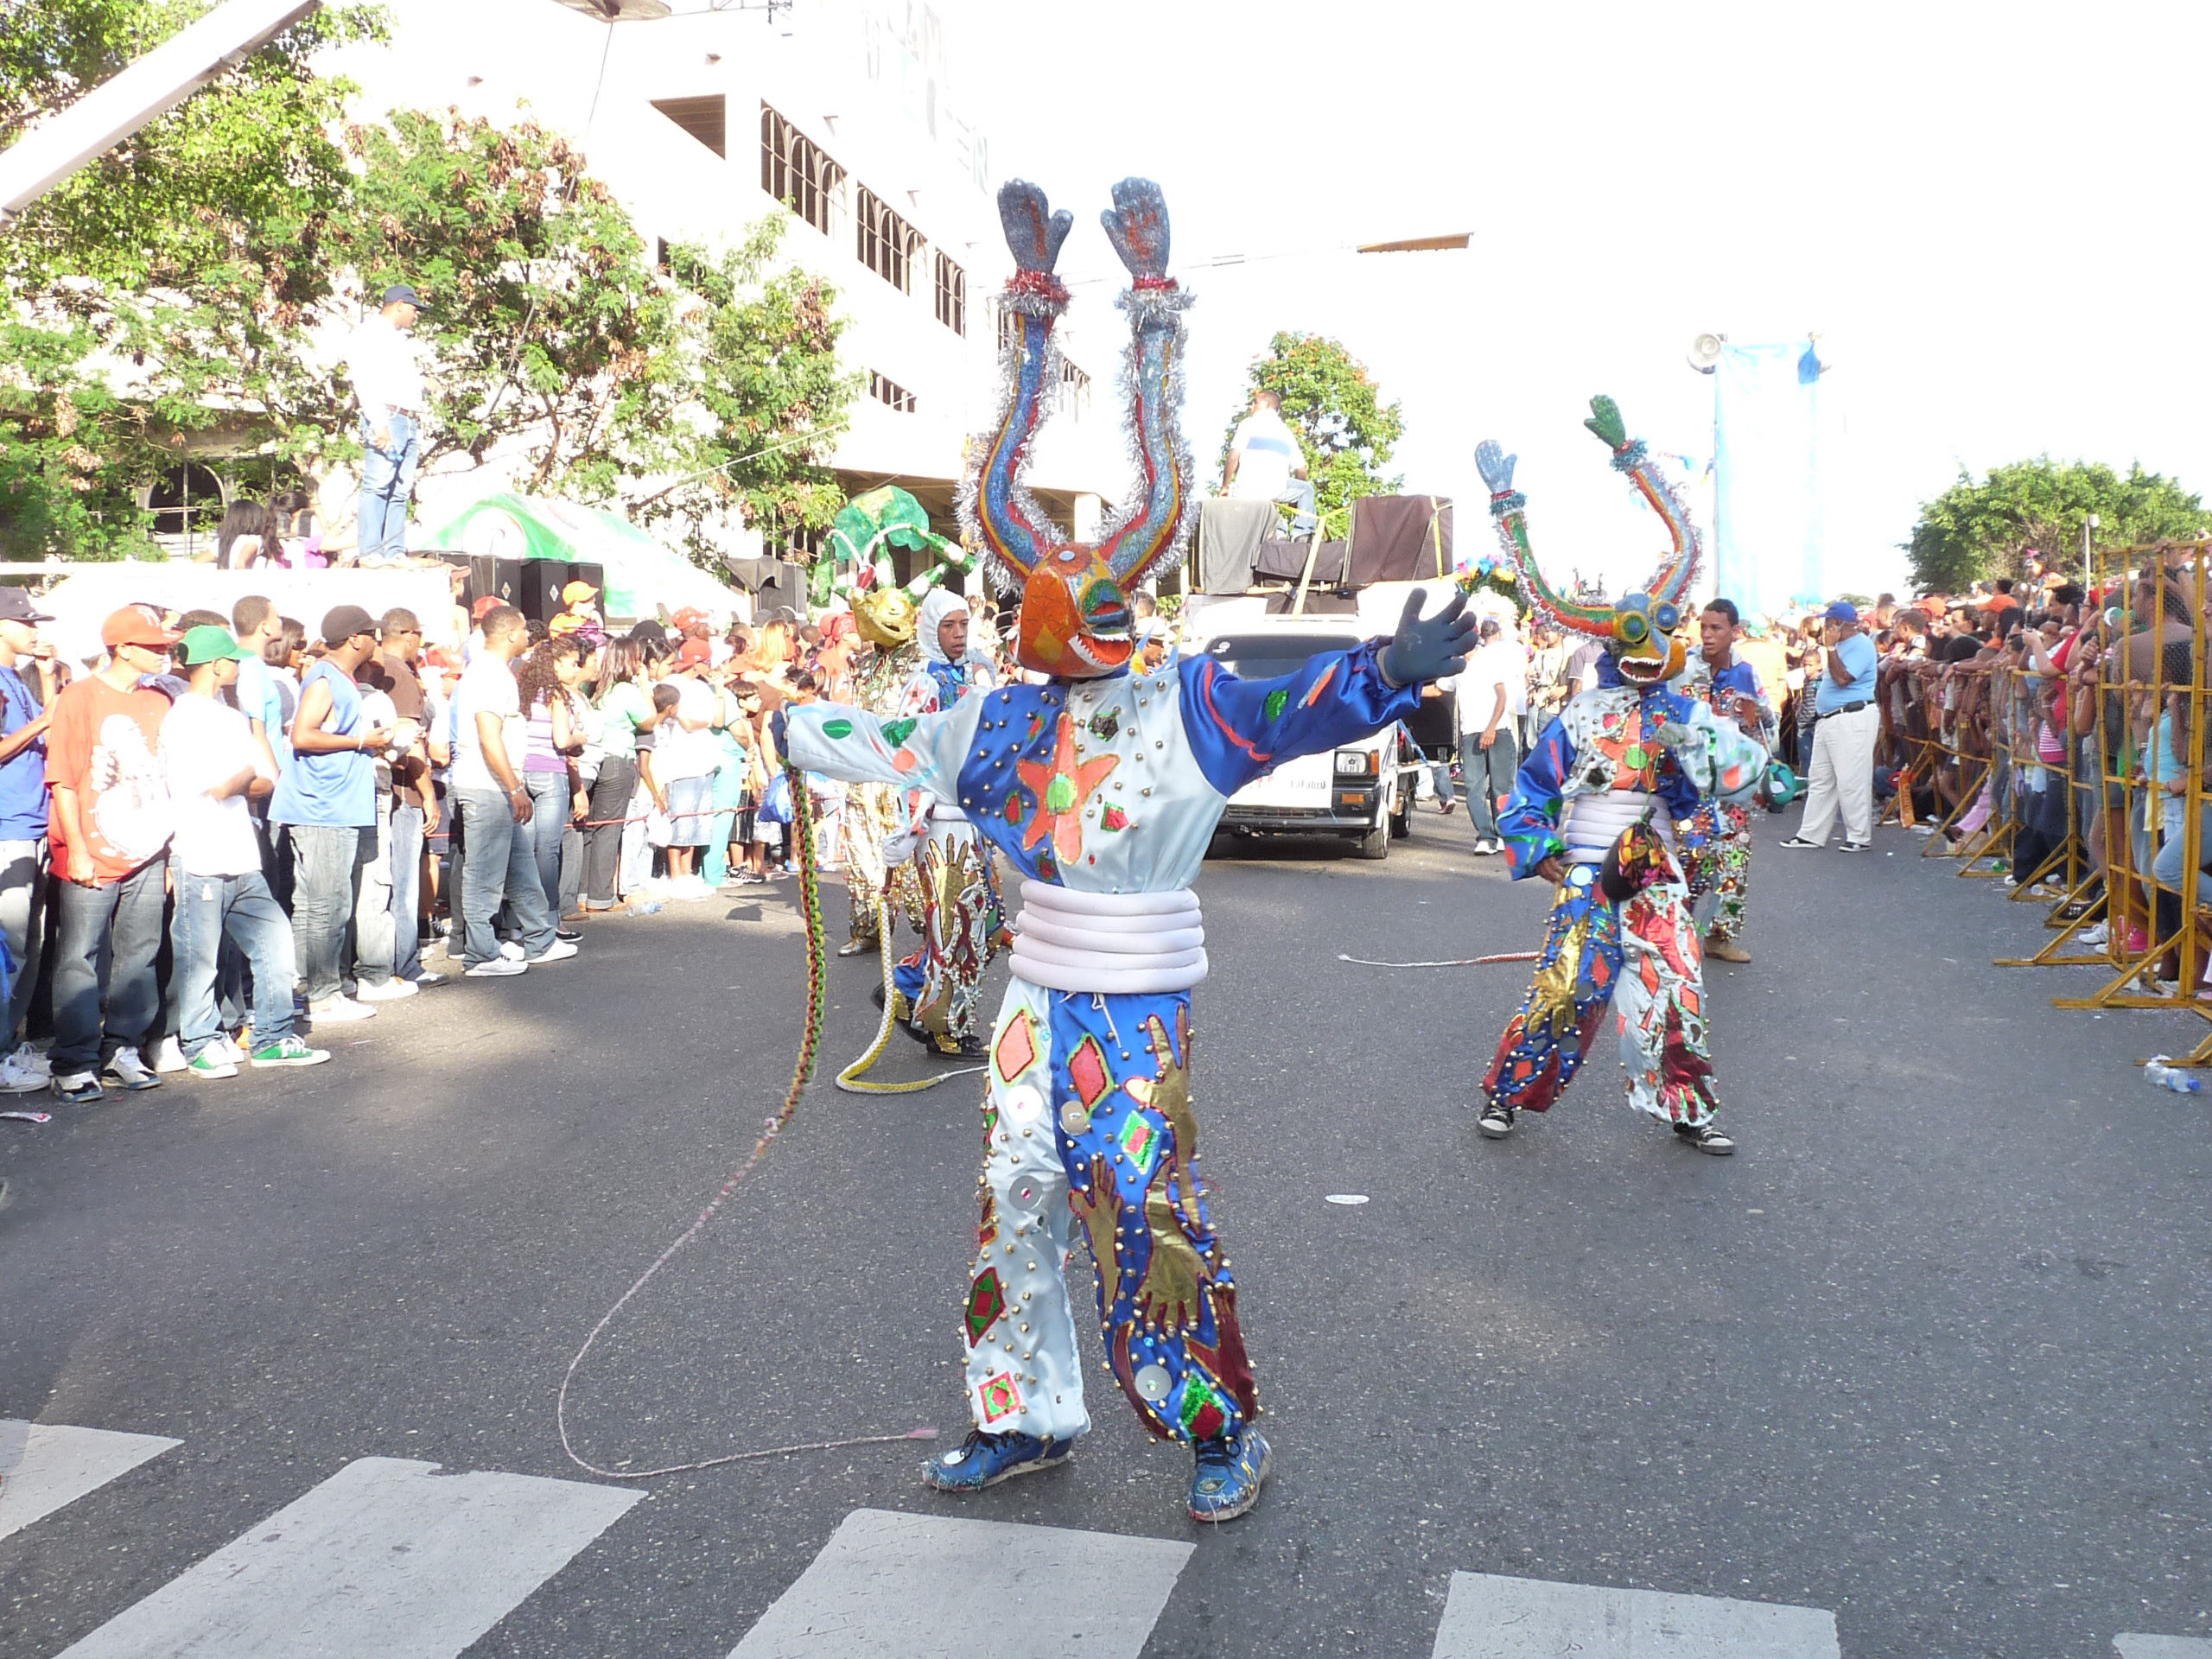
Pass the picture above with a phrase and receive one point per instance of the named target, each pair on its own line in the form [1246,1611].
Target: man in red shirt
[109,823]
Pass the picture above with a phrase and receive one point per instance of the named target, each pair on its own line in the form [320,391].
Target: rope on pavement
[818,953]
[850,1078]
[1456,962]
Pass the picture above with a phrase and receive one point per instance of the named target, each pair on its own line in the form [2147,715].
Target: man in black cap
[328,797]
[387,373]
[22,828]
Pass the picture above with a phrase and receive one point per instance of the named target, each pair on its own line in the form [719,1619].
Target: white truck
[1363,792]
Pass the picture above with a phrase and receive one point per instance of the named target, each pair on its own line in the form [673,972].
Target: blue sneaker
[984,1460]
[1227,1480]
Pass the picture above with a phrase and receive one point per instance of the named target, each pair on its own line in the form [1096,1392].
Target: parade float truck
[1361,793]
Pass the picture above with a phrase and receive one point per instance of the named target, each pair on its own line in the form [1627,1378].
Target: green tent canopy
[643,576]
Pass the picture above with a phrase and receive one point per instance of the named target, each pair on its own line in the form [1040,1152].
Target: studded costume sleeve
[1528,823]
[912,752]
[1239,728]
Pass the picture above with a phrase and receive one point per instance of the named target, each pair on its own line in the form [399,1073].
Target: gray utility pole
[154,84]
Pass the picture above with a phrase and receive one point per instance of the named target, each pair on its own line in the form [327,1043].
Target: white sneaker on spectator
[231,1047]
[16,1079]
[338,1010]
[168,1056]
[559,950]
[125,1068]
[425,978]
[497,968]
[31,1058]
[2093,937]
[512,950]
[390,991]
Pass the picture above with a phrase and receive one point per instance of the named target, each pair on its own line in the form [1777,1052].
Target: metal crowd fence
[2086,783]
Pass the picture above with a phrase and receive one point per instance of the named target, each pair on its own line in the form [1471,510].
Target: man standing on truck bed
[1266,462]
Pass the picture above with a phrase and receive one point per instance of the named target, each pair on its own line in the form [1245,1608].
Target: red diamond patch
[1087,1071]
[1017,1047]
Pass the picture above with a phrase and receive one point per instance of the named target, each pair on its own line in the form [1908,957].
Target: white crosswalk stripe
[2162,1647]
[1487,1617]
[45,1466]
[385,1559]
[890,1585]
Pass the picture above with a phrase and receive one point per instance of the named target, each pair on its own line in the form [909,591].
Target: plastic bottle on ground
[2175,1077]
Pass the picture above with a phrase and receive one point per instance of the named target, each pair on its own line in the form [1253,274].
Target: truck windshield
[1269,656]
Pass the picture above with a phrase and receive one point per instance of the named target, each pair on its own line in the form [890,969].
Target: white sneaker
[15,1078]
[30,1058]
[168,1056]
[390,991]
[559,950]
[128,1070]
[339,1010]
[425,978]
[512,950]
[498,968]
[2093,937]
[231,1052]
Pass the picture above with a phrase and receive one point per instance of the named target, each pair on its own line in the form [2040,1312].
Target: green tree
[1974,531]
[166,281]
[546,322]
[769,394]
[1332,402]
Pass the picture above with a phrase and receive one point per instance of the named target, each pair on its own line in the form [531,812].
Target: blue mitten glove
[1496,466]
[1034,232]
[1428,648]
[1137,227]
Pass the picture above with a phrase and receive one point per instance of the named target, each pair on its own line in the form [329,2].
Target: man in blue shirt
[23,831]
[328,797]
[1845,723]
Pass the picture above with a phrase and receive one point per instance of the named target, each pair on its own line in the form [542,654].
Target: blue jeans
[387,480]
[240,908]
[406,889]
[547,828]
[690,801]
[105,939]
[500,867]
[22,920]
[1488,774]
[328,862]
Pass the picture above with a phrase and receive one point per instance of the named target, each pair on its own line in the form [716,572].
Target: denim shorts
[690,811]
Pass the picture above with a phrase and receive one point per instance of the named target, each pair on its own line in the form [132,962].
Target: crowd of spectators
[225,834]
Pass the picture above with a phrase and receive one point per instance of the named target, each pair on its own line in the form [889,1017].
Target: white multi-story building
[702,123]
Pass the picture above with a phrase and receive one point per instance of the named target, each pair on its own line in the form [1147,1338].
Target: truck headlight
[1356,763]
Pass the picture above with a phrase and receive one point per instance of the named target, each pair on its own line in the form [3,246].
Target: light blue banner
[1770,535]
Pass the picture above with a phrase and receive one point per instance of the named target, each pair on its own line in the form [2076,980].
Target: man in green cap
[214,767]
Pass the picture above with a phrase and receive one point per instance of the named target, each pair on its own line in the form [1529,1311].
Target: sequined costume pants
[1643,957]
[940,986]
[1087,1128]
[871,818]
[1722,866]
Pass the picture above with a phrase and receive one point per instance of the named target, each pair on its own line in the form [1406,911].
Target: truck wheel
[1376,843]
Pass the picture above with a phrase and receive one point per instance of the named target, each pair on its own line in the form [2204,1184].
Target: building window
[702,117]
[1009,326]
[795,172]
[885,390]
[1075,389]
[888,243]
[951,296]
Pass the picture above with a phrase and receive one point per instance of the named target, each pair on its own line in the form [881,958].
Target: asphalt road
[1928,1352]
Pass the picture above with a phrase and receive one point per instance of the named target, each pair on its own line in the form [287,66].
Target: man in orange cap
[108,824]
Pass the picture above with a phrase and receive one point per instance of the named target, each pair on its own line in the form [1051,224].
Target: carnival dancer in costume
[1103,787]
[1604,806]
[885,620]
[937,990]
[1729,686]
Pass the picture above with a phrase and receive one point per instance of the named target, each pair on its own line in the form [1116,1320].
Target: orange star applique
[1061,788]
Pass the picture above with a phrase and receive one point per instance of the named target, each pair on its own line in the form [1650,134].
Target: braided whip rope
[850,1078]
[817,958]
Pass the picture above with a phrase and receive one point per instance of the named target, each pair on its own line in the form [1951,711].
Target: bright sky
[1982,210]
